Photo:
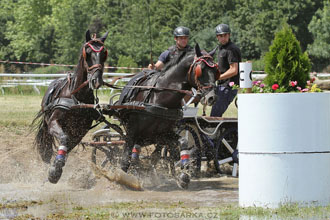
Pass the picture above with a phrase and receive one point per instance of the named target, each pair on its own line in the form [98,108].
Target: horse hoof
[124,167]
[55,171]
[135,162]
[183,180]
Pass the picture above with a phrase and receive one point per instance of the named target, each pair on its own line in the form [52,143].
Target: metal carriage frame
[213,139]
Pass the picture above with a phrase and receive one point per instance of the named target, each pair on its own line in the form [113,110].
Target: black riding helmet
[181,31]
[222,29]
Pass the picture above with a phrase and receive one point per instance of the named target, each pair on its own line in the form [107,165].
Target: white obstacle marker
[284,149]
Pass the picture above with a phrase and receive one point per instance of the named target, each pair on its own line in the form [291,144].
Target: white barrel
[284,149]
[245,75]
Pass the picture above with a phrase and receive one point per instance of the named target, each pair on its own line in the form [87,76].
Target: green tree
[126,61]
[298,14]
[30,32]
[163,21]
[202,16]
[54,30]
[257,21]
[110,14]
[71,20]
[320,28]
[6,10]
[285,61]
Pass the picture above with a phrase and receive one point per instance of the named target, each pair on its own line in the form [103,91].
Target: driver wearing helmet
[229,56]
[181,37]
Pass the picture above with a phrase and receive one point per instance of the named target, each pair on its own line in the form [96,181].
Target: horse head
[202,75]
[94,55]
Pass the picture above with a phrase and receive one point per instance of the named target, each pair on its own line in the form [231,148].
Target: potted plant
[283,128]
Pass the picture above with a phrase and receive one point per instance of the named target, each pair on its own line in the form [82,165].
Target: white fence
[30,79]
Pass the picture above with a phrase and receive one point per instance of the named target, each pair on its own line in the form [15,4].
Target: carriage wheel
[107,154]
[227,151]
[188,131]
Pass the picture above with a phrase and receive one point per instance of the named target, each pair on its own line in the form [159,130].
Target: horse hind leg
[183,179]
[127,155]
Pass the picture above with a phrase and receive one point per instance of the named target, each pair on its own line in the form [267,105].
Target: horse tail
[43,141]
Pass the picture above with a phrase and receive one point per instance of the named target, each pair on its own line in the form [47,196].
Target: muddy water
[62,197]
[24,188]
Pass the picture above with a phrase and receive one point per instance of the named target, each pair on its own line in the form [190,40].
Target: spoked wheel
[227,150]
[107,143]
[190,133]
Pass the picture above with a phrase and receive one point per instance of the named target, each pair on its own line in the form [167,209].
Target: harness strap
[80,87]
[187,92]
[108,106]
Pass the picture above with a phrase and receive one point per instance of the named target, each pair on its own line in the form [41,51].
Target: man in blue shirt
[181,37]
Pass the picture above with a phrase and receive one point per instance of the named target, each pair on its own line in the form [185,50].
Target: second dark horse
[161,94]
[57,119]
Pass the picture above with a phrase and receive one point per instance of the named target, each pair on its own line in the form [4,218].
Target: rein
[187,92]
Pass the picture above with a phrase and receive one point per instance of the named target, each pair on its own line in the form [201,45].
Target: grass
[19,110]
[178,210]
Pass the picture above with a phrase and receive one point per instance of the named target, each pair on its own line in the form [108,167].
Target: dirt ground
[23,177]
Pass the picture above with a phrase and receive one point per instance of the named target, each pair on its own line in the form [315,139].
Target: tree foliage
[285,61]
[54,30]
[30,32]
[320,28]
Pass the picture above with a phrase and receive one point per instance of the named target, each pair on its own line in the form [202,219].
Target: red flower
[293,83]
[275,86]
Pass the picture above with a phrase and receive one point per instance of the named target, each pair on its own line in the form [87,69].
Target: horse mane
[177,59]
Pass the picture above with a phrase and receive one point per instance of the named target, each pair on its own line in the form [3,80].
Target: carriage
[149,110]
[211,141]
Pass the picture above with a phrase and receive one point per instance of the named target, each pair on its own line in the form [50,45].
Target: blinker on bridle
[197,69]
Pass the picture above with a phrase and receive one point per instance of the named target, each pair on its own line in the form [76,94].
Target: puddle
[62,198]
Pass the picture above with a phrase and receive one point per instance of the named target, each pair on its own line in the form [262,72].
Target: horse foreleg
[127,155]
[156,154]
[183,177]
[55,170]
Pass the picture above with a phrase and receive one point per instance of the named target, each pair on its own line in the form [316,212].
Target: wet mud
[24,188]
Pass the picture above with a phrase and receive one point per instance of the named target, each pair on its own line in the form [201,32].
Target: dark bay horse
[161,94]
[57,120]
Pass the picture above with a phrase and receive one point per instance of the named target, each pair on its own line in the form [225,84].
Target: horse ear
[88,36]
[198,51]
[104,36]
[213,52]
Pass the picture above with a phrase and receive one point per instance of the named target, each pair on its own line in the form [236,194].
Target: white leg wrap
[184,152]
[62,147]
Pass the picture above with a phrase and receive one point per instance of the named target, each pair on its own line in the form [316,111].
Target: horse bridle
[91,69]
[197,69]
